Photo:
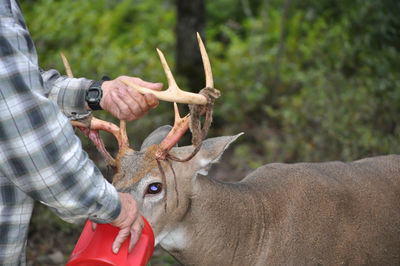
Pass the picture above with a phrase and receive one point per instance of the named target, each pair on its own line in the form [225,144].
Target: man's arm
[121,101]
[39,151]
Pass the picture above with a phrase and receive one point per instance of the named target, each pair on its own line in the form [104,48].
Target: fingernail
[115,250]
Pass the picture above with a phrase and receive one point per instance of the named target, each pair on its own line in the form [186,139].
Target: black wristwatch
[94,94]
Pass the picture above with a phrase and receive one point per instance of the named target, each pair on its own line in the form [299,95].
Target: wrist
[92,104]
[94,95]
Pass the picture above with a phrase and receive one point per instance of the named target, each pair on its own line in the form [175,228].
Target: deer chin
[175,239]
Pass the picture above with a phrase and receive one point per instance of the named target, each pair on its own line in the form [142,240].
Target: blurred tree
[276,82]
[191,19]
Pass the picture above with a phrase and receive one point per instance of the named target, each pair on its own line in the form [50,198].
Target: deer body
[329,214]
[281,214]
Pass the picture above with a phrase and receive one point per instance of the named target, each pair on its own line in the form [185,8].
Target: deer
[328,213]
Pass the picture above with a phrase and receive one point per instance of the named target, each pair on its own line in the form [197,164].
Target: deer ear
[156,137]
[210,152]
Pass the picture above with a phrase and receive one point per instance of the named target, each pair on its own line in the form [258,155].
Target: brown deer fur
[329,213]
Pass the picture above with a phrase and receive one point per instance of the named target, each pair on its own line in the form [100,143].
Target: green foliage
[306,80]
[102,37]
[328,88]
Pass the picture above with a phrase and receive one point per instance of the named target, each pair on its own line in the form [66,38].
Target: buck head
[164,188]
[155,175]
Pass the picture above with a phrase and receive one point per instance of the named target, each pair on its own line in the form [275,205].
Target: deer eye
[154,188]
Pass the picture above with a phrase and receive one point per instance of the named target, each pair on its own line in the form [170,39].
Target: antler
[182,124]
[206,63]
[98,124]
[174,93]
[90,126]
[179,128]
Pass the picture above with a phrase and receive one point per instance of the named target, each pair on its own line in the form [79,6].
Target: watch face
[93,94]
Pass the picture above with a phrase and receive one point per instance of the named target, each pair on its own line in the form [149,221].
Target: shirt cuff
[68,93]
[108,206]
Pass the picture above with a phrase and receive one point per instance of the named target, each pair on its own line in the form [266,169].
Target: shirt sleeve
[39,151]
[68,93]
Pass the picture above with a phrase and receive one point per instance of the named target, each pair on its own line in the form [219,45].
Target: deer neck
[221,218]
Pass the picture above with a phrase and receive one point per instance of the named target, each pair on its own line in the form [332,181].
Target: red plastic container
[95,248]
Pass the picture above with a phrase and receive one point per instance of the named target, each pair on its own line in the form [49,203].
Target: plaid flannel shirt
[40,156]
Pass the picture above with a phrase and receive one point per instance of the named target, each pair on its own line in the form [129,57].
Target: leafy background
[309,80]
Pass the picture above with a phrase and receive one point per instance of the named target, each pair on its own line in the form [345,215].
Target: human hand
[126,103]
[129,221]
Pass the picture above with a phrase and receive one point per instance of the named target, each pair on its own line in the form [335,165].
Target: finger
[123,110]
[151,85]
[133,97]
[94,225]
[140,100]
[119,240]
[136,230]
[115,105]
[154,86]
[151,100]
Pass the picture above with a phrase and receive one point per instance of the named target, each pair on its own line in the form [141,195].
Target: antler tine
[206,63]
[177,115]
[66,65]
[181,125]
[172,86]
[124,144]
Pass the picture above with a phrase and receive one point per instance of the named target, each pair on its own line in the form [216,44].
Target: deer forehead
[133,166]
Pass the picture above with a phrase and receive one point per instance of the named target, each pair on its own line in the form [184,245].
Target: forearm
[50,166]
[39,151]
